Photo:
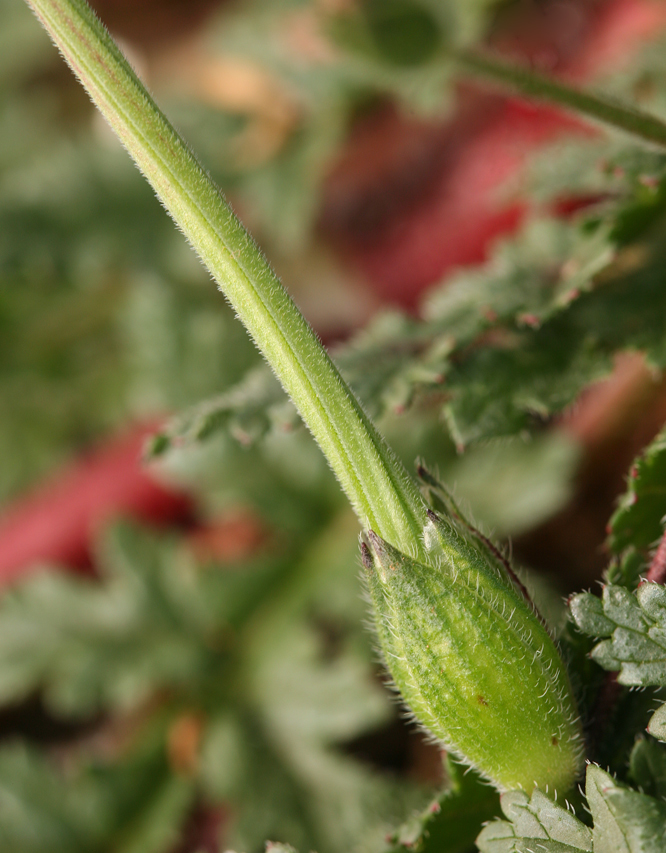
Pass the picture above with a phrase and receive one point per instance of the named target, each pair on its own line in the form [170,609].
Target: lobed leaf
[635,624]
[625,821]
[535,823]
[515,341]
[154,623]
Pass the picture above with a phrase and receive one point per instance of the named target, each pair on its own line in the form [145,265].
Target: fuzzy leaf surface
[657,724]
[462,645]
[534,823]
[625,821]
[635,625]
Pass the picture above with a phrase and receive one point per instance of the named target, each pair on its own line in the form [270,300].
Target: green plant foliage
[635,624]
[268,659]
[310,679]
[638,518]
[627,568]
[389,47]
[403,32]
[135,804]
[154,622]
[456,634]
[625,821]
[648,767]
[104,316]
[397,358]
[245,410]
[657,724]
[450,822]
[349,57]
[637,524]
[35,814]
[533,821]
[538,323]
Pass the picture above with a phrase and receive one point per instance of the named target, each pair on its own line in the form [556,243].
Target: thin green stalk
[384,496]
[464,648]
[613,113]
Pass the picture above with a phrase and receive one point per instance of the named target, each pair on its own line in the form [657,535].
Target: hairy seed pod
[472,659]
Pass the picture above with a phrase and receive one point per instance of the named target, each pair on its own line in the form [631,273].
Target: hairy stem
[645,127]
[384,496]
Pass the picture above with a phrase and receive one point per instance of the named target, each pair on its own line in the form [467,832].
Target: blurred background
[183,662]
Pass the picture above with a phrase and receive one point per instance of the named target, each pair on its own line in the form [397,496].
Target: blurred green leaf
[136,804]
[638,519]
[515,342]
[156,621]
[37,811]
[314,687]
[451,822]
[648,767]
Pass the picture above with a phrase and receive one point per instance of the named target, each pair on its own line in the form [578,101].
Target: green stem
[384,496]
[645,127]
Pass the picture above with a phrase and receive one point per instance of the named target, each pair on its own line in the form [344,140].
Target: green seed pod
[472,659]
